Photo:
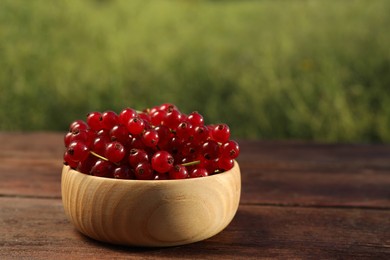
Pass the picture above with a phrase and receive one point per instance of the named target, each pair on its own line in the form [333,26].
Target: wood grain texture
[299,200]
[150,213]
[38,229]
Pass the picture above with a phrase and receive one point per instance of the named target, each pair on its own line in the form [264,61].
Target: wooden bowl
[150,213]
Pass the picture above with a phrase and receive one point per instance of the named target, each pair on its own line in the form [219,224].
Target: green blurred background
[313,70]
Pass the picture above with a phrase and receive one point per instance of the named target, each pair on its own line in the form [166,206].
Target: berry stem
[191,163]
[98,156]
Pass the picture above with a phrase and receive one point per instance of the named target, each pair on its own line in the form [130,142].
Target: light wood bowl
[150,213]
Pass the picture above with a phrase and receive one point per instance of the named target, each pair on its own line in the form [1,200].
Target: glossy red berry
[198,172]
[109,120]
[136,126]
[78,125]
[210,150]
[119,133]
[137,156]
[102,168]
[125,115]
[144,171]
[115,152]
[230,149]
[184,130]
[86,165]
[122,172]
[162,161]
[94,120]
[99,144]
[157,117]
[68,160]
[225,163]
[201,134]
[78,151]
[195,119]
[221,133]
[150,138]
[172,118]
[178,172]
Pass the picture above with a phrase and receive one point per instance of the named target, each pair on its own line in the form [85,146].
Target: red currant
[225,163]
[119,133]
[210,150]
[122,172]
[86,165]
[109,119]
[230,149]
[78,151]
[126,114]
[162,161]
[94,120]
[102,168]
[173,118]
[144,171]
[78,125]
[150,138]
[115,152]
[68,160]
[198,172]
[136,126]
[195,119]
[178,172]
[221,133]
[137,156]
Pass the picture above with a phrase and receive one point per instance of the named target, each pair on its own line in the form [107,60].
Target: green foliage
[316,70]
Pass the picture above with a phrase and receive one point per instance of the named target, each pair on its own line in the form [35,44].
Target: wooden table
[299,200]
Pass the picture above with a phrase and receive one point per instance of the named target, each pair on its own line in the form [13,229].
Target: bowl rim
[213,176]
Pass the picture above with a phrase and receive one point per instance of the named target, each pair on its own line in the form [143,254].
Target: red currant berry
[221,133]
[109,119]
[201,134]
[78,125]
[161,176]
[230,149]
[211,166]
[119,133]
[162,161]
[76,135]
[137,156]
[210,150]
[173,118]
[198,172]
[99,144]
[68,160]
[136,142]
[178,172]
[78,151]
[122,172]
[94,120]
[164,136]
[157,117]
[136,126]
[167,107]
[126,114]
[102,168]
[144,171]
[86,165]
[184,130]
[115,152]
[225,163]
[195,119]
[150,138]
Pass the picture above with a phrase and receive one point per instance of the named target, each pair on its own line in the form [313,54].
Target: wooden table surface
[299,200]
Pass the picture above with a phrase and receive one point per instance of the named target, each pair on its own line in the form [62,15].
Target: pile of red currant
[155,144]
